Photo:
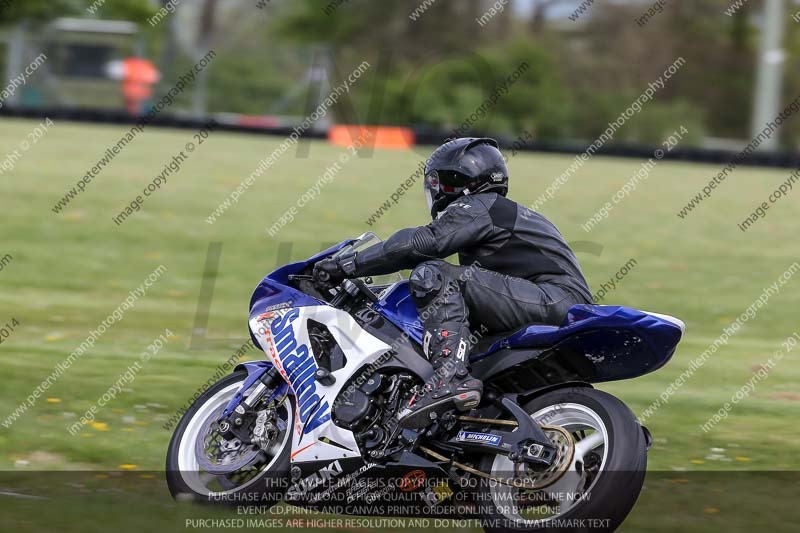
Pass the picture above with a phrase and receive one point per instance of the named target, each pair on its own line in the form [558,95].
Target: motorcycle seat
[521,337]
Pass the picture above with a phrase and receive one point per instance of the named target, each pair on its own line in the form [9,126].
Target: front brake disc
[219,456]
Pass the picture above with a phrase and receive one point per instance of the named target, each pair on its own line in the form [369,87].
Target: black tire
[614,491]
[268,486]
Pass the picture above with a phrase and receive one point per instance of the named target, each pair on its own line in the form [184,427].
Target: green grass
[69,271]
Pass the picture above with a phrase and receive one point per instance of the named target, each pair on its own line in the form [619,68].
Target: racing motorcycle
[315,425]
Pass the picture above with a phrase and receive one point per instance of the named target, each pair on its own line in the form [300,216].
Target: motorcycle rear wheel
[601,485]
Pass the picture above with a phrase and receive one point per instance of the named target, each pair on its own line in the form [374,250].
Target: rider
[516,268]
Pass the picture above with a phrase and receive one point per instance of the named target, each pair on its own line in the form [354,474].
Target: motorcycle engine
[355,411]
[367,409]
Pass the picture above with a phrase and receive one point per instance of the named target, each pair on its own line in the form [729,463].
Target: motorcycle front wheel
[202,466]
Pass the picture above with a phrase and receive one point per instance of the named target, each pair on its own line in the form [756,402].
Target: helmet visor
[431,188]
[440,183]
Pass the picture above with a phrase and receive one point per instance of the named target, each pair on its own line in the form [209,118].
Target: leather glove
[328,273]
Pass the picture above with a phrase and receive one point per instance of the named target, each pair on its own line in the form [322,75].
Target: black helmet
[464,166]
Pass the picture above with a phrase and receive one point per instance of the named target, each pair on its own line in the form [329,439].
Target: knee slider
[425,283]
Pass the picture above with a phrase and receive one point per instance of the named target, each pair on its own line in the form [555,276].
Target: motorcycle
[316,424]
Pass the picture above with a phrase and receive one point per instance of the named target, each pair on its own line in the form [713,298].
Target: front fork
[262,377]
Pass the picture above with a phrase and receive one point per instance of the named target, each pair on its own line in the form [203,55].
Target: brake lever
[300,277]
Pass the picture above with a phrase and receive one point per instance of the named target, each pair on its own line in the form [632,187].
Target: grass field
[69,271]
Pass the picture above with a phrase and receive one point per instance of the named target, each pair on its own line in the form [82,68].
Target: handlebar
[352,286]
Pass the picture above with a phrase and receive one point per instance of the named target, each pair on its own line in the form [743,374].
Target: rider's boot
[452,387]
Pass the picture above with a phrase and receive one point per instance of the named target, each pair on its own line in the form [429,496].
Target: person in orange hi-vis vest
[138,78]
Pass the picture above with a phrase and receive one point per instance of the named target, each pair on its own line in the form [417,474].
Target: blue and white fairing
[274,289]
[278,323]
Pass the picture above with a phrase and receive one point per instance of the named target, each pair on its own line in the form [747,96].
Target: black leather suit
[515,269]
